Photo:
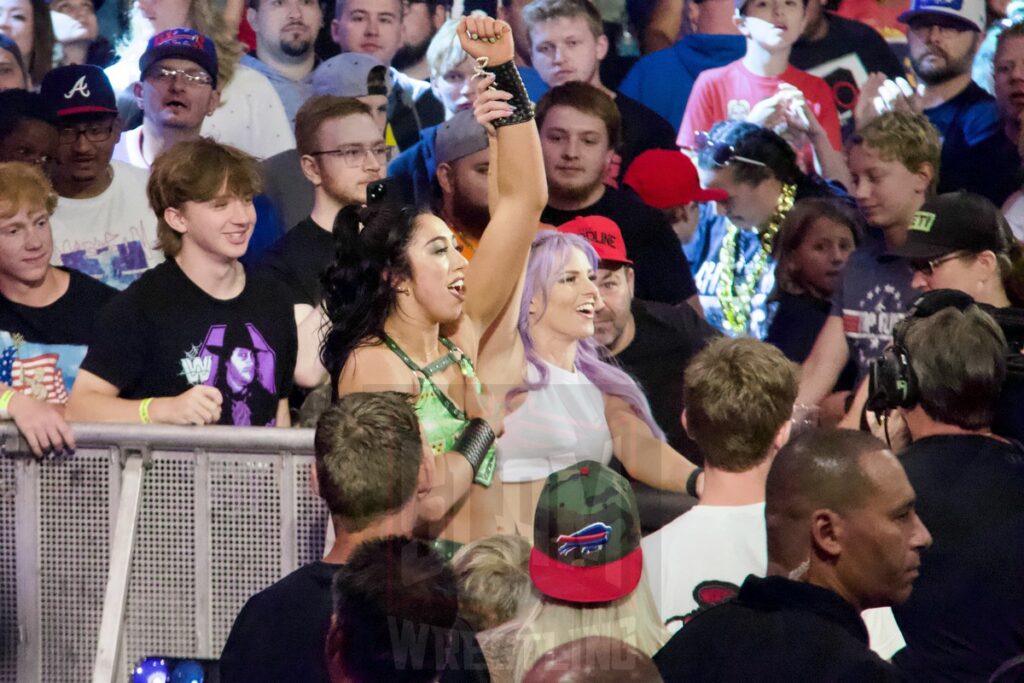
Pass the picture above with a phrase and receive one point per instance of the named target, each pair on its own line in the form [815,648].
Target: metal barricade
[147,541]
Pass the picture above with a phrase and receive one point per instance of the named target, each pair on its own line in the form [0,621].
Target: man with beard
[176,93]
[342,150]
[942,40]
[580,128]
[419,25]
[285,35]
[462,164]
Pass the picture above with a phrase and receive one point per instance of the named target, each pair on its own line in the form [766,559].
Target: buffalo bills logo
[588,539]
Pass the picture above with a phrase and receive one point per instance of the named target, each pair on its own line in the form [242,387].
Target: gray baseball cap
[352,74]
[459,137]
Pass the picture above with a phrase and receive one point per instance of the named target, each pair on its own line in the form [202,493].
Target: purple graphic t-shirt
[164,335]
[874,295]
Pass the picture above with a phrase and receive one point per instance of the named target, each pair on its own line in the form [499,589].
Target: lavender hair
[549,254]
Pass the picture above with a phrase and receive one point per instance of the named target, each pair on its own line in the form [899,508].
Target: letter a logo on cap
[80,87]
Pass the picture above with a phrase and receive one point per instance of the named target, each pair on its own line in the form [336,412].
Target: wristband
[5,400]
[507,78]
[144,411]
[474,442]
[691,482]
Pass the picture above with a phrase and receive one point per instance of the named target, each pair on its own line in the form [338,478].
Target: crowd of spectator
[643,340]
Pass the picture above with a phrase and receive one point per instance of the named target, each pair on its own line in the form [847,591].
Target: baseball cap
[971,13]
[603,234]
[348,75]
[664,178]
[183,43]
[955,221]
[586,535]
[458,137]
[78,89]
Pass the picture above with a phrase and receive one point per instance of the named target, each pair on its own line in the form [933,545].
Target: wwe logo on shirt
[80,87]
[196,368]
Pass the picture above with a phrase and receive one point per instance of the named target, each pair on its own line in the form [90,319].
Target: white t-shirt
[111,237]
[702,557]
[251,116]
[129,149]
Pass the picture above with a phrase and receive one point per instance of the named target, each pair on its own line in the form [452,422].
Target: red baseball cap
[665,178]
[602,233]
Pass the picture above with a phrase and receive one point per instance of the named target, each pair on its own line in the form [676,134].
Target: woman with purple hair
[407,312]
[566,404]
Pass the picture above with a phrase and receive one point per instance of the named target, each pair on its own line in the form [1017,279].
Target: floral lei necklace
[735,297]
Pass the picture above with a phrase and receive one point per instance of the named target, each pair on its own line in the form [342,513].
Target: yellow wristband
[143,410]
[5,400]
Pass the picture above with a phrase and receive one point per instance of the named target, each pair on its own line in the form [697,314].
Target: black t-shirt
[795,327]
[774,630]
[966,613]
[1009,417]
[667,337]
[279,635]
[990,168]
[642,129]
[44,346]
[299,259]
[164,335]
[844,58]
[662,271]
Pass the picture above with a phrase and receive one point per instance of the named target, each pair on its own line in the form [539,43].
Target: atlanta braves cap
[586,536]
[78,89]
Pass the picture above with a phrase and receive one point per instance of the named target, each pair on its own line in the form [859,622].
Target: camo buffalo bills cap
[586,536]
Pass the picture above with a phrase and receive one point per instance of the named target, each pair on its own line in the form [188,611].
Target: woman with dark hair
[736,271]
[27,23]
[810,251]
[408,313]
[566,403]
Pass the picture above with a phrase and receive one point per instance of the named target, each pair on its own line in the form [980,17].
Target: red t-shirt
[733,86]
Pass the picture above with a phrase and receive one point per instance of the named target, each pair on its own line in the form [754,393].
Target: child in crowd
[894,161]
[764,88]
[813,245]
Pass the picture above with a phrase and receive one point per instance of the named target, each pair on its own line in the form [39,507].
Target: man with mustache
[286,32]
[103,225]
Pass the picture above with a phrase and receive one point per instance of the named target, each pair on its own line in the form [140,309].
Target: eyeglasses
[927,267]
[723,154]
[355,156]
[167,76]
[93,132]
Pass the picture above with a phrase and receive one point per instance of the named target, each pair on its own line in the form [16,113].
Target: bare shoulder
[375,368]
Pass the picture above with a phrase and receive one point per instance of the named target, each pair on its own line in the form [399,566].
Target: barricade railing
[146,541]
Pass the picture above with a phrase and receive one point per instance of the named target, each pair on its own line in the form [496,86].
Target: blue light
[151,670]
[188,671]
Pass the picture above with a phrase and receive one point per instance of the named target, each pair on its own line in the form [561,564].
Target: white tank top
[556,426]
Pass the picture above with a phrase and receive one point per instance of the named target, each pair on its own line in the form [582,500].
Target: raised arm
[519,178]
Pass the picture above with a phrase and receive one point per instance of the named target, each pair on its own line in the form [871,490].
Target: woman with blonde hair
[250,117]
[588,565]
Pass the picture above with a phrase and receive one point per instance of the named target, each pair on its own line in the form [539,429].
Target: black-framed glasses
[722,153]
[93,132]
[355,155]
[927,266]
[167,76]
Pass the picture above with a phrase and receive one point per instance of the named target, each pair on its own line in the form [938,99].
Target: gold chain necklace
[735,298]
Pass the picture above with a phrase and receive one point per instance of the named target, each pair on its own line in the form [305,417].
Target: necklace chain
[735,298]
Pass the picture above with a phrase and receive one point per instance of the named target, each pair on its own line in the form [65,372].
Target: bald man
[840,509]
[595,659]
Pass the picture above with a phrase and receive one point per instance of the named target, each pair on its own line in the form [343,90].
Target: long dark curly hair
[371,253]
